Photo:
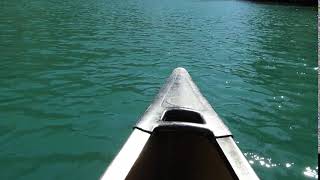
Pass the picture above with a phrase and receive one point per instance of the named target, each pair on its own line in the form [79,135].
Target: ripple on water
[76,75]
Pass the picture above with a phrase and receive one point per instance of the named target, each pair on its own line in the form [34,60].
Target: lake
[75,76]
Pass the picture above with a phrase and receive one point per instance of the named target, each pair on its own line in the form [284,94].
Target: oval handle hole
[180,115]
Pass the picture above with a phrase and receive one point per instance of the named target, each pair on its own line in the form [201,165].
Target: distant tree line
[297,2]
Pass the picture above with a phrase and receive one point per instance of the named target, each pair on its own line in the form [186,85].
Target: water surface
[76,75]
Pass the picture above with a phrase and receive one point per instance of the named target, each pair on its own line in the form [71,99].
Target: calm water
[75,76]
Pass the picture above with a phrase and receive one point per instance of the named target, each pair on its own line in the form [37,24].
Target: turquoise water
[76,75]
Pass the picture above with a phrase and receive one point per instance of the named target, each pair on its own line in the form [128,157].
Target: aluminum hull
[180,136]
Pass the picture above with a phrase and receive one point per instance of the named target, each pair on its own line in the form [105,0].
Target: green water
[76,75]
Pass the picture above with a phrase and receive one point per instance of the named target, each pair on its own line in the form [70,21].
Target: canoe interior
[173,154]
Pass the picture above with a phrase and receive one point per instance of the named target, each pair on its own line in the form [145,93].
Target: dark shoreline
[287,2]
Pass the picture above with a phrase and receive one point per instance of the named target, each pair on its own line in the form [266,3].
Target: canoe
[180,137]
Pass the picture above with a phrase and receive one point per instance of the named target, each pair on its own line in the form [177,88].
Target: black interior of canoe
[179,154]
